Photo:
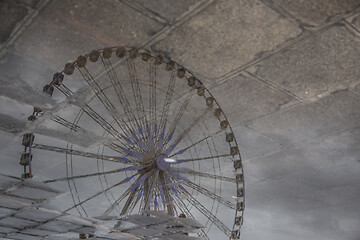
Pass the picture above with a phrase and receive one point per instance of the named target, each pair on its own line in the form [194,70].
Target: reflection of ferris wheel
[158,140]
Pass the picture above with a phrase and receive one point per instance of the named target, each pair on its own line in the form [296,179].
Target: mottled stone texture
[243,99]
[168,9]
[67,29]
[317,12]
[356,21]
[10,15]
[213,43]
[335,112]
[322,63]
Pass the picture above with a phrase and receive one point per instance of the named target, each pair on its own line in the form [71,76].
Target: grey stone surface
[249,142]
[319,164]
[213,44]
[18,223]
[22,80]
[301,165]
[82,26]
[253,99]
[315,13]
[356,21]
[7,182]
[337,111]
[58,226]
[11,14]
[322,63]
[170,10]
[38,215]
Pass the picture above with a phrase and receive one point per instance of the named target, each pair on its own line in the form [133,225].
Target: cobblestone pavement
[286,73]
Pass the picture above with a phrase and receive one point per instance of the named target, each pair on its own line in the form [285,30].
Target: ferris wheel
[148,134]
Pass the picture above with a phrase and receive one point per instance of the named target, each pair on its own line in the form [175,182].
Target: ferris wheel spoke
[126,154]
[64,90]
[102,122]
[186,131]
[202,158]
[67,124]
[179,115]
[167,197]
[152,93]
[182,206]
[129,201]
[136,89]
[209,194]
[206,175]
[209,215]
[194,144]
[127,179]
[135,167]
[96,88]
[167,103]
[130,189]
[119,92]
[148,195]
[83,154]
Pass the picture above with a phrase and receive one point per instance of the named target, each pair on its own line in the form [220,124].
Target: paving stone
[23,80]
[39,215]
[67,29]
[243,99]
[5,212]
[226,35]
[20,236]
[321,164]
[6,182]
[315,13]
[322,63]
[58,226]
[337,111]
[253,144]
[355,21]
[169,10]
[7,230]
[16,222]
[37,232]
[10,15]
[28,192]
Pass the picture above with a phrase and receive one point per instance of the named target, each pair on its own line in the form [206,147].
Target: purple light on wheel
[128,141]
[141,131]
[142,145]
[155,129]
[121,159]
[149,136]
[162,194]
[162,164]
[161,142]
[139,195]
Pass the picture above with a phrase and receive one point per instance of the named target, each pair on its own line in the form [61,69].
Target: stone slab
[10,15]
[23,80]
[356,21]
[330,162]
[322,63]
[18,223]
[170,10]
[243,99]
[38,215]
[67,29]
[315,13]
[254,145]
[58,226]
[334,112]
[225,36]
